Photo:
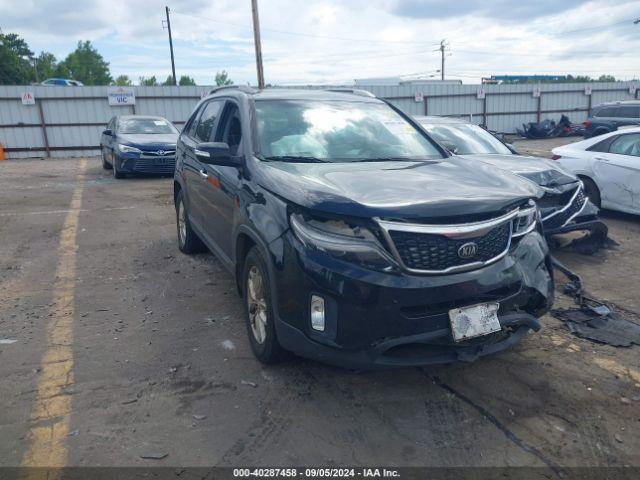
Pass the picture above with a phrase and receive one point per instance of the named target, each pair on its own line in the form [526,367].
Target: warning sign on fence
[121,96]
[28,98]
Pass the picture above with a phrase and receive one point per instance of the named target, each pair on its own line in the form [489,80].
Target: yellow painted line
[50,416]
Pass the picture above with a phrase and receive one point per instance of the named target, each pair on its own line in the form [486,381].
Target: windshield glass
[467,139]
[145,125]
[337,131]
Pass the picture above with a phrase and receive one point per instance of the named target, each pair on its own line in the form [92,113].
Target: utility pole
[35,68]
[442,50]
[258,45]
[173,64]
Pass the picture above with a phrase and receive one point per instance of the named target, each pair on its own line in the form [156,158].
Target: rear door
[223,183]
[195,173]
[627,115]
[617,172]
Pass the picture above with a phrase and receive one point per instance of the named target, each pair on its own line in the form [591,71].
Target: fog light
[317,313]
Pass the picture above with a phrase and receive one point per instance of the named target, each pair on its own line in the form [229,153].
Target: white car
[609,166]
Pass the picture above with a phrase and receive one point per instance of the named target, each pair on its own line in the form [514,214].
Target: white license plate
[475,321]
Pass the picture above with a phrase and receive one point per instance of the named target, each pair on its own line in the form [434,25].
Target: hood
[398,189]
[540,170]
[149,139]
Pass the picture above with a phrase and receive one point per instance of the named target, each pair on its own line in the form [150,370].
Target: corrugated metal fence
[67,121]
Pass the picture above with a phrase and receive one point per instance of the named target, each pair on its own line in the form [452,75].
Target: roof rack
[353,91]
[242,88]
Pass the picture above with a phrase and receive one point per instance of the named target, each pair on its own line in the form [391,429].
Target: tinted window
[629,112]
[145,125]
[467,139]
[626,145]
[231,130]
[606,112]
[338,131]
[204,126]
[61,82]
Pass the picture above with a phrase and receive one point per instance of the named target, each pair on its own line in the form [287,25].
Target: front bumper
[134,163]
[578,214]
[376,319]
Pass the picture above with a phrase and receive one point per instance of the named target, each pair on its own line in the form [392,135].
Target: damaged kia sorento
[354,238]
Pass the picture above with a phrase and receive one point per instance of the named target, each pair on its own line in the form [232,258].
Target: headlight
[353,244]
[128,149]
[525,222]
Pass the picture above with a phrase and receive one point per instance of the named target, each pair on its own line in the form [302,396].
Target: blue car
[139,144]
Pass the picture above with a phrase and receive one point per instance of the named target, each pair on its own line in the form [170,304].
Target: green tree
[607,78]
[168,81]
[149,81]
[222,79]
[186,81]
[47,65]
[15,60]
[86,65]
[123,81]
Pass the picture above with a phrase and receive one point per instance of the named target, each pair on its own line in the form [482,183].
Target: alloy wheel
[182,223]
[257,304]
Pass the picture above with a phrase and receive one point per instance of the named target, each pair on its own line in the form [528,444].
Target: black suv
[607,117]
[356,239]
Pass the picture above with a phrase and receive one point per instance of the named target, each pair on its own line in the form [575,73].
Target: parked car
[354,238]
[609,166]
[139,144]
[608,117]
[62,82]
[564,207]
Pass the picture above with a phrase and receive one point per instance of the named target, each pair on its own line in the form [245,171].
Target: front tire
[117,174]
[106,165]
[259,316]
[591,190]
[188,240]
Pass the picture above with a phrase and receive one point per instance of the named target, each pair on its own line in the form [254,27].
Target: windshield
[337,131]
[467,139]
[145,125]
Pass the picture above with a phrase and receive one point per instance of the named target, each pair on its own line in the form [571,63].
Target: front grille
[561,218]
[158,153]
[437,253]
[159,165]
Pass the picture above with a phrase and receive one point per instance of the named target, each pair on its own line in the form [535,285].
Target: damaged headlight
[353,244]
[526,219]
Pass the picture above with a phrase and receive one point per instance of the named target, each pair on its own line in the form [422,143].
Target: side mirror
[108,132]
[449,146]
[216,153]
[512,148]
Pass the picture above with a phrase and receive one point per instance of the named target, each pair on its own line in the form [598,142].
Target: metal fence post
[539,109]
[43,126]
[484,112]
[426,105]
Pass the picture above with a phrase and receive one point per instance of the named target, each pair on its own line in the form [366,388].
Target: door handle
[602,159]
[203,174]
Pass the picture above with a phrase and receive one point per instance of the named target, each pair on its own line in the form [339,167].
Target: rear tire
[591,190]
[259,317]
[188,240]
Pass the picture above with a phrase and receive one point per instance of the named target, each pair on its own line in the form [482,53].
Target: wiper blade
[393,159]
[295,158]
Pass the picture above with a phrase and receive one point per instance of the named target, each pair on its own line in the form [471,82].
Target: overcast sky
[322,41]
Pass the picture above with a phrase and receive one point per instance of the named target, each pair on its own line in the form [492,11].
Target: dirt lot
[126,347]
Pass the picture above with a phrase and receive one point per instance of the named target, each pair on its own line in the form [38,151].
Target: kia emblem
[468,250]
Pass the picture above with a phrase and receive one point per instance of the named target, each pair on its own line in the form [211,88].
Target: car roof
[297,94]
[142,117]
[620,102]
[430,119]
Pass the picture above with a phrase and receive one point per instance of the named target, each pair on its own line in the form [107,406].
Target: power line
[301,34]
